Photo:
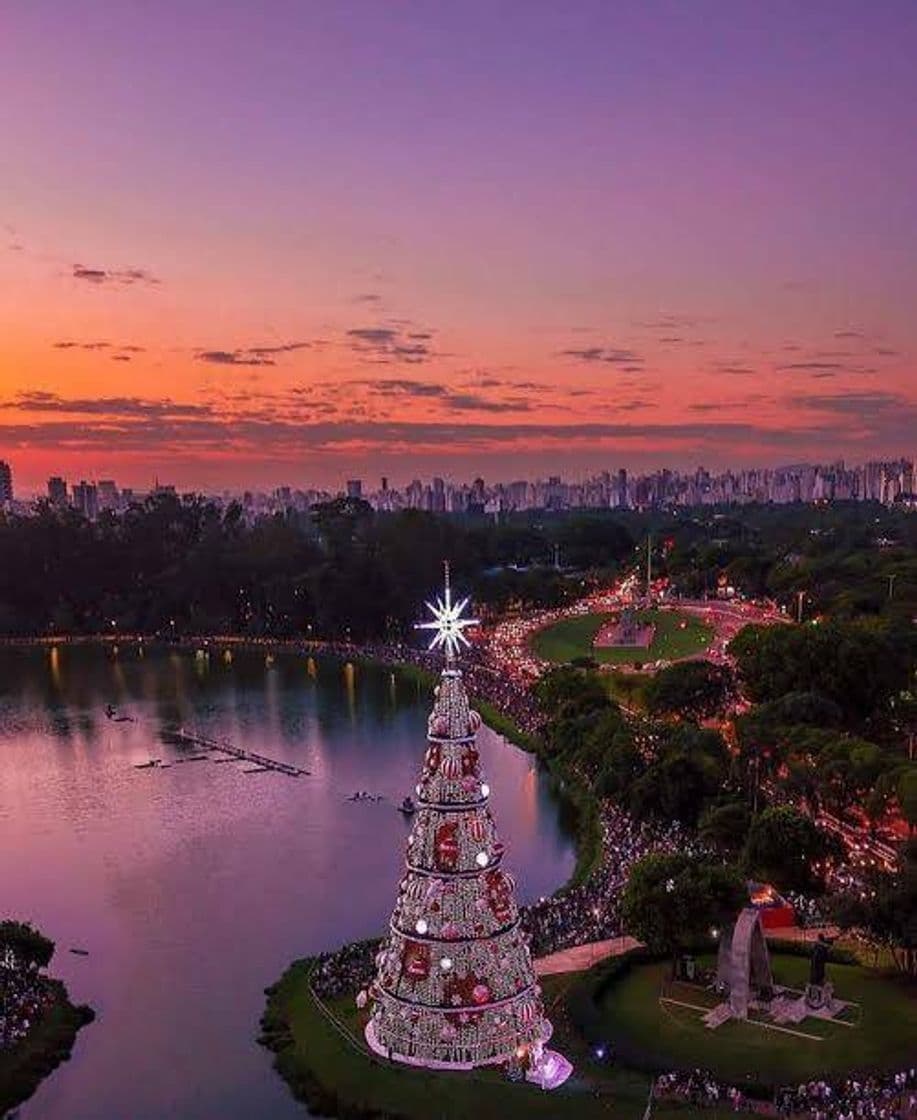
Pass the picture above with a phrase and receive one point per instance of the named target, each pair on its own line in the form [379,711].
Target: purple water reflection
[192,887]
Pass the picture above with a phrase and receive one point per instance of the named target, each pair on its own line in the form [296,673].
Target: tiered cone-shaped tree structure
[455,986]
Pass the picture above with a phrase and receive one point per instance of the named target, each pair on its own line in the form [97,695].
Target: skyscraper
[622,489]
[57,492]
[6,483]
[108,494]
[86,499]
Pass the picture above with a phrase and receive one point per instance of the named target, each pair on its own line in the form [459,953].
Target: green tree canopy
[725,825]
[576,689]
[859,667]
[694,690]
[672,900]
[688,771]
[784,847]
[887,911]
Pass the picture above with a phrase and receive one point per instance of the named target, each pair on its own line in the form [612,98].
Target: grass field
[573,637]
[325,1062]
[879,1033]
[321,1054]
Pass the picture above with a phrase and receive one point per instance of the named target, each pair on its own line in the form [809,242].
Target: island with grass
[623,1023]
[656,1022]
[672,635]
[316,1033]
[38,1023]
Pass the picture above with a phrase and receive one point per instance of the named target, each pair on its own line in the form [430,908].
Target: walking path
[581,957]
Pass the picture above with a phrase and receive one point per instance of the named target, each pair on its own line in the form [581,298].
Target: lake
[192,886]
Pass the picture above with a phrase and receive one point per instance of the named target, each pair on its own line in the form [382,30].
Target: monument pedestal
[819,996]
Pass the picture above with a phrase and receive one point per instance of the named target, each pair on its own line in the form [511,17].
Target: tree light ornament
[482,859]
[421,926]
[448,623]
[485,790]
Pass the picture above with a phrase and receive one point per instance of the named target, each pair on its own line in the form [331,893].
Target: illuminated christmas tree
[455,986]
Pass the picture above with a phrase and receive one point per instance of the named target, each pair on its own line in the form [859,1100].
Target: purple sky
[502,234]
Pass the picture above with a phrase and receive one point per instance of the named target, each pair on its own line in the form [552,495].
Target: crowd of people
[24,995]
[508,694]
[701,1089]
[807,911]
[346,970]
[575,916]
[889,1097]
[589,912]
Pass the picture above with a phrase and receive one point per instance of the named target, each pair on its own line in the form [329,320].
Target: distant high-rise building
[57,492]
[108,494]
[477,497]
[554,493]
[622,489]
[354,488]
[6,483]
[86,499]
[414,493]
[384,484]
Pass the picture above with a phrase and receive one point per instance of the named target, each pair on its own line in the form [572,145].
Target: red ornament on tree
[446,847]
[415,961]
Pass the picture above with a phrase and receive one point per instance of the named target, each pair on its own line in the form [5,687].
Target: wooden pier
[261,761]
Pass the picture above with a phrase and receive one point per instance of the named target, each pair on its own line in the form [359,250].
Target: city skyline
[888,481]
[298,242]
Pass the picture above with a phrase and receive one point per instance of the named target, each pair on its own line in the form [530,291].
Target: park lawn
[573,637]
[325,1060]
[882,1037]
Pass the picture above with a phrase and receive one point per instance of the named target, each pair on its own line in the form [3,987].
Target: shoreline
[574,795]
[48,1045]
[318,1054]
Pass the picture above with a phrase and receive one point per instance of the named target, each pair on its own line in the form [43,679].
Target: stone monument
[743,969]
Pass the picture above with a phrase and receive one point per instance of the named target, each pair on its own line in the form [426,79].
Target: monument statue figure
[819,960]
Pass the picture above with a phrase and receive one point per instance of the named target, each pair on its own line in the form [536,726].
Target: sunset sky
[246,243]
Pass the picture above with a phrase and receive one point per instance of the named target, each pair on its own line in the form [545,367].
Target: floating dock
[262,763]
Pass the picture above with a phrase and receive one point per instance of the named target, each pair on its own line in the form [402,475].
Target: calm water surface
[192,887]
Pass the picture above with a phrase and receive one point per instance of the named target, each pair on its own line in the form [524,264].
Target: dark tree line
[848,560]
[835,713]
[176,565]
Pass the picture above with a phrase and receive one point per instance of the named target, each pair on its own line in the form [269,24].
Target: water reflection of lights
[350,685]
